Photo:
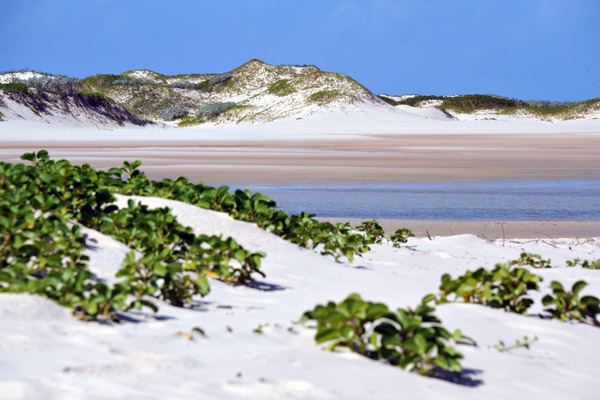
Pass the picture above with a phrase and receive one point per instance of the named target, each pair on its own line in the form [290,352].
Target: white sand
[348,122]
[45,353]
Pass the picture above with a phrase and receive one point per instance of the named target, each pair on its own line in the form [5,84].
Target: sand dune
[48,354]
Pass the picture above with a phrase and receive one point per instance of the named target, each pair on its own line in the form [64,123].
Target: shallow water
[502,200]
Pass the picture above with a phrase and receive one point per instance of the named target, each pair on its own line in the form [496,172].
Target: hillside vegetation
[254,92]
[476,103]
[51,98]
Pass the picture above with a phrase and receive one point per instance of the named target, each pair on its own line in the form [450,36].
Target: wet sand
[383,159]
[373,159]
[547,230]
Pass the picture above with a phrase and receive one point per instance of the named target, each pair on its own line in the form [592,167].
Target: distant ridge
[254,92]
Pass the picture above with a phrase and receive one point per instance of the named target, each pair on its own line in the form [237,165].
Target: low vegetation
[323,97]
[173,113]
[375,233]
[412,339]
[15,87]
[191,121]
[525,343]
[41,251]
[281,88]
[504,287]
[584,263]
[39,248]
[507,287]
[472,103]
[214,109]
[566,305]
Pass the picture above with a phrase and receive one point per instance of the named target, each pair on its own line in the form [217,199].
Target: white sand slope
[45,353]
[360,118]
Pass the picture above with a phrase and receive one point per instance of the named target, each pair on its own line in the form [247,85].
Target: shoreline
[416,158]
[461,158]
[491,230]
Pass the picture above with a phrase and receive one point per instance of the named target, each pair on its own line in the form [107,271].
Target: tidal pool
[508,200]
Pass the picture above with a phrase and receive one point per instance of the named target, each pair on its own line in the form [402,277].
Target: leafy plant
[342,242]
[40,253]
[533,260]
[584,264]
[502,347]
[412,339]
[566,305]
[503,287]
[372,230]
[401,236]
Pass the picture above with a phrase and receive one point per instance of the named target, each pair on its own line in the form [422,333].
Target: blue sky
[530,49]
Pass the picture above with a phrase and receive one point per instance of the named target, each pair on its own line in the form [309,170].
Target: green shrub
[99,82]
[281,88]
[473,102]
[184,85]
[412,339]
[302,229]
[374,233]
[372,230]
[173,113]
[220,78]
[584,264]
[401,236]
[503,287]
[130,81]
[415,100]
[324,96]
[533,260]
[40,253]
[204,86]
[568,306]
[391,102]
[343,243]
[214,109]
[15,87]
[191,121]
[59,84]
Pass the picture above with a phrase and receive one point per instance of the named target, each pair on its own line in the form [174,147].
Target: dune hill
[255,92]
[57,102]
[466,107]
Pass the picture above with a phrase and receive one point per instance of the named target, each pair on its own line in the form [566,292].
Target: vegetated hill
[253,92]
[498,105]
[47,98]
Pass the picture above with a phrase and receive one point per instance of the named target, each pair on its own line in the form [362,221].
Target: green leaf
[325,335]
[203,285]
[577,286]
[160,269]
[420,343]
[548,300]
